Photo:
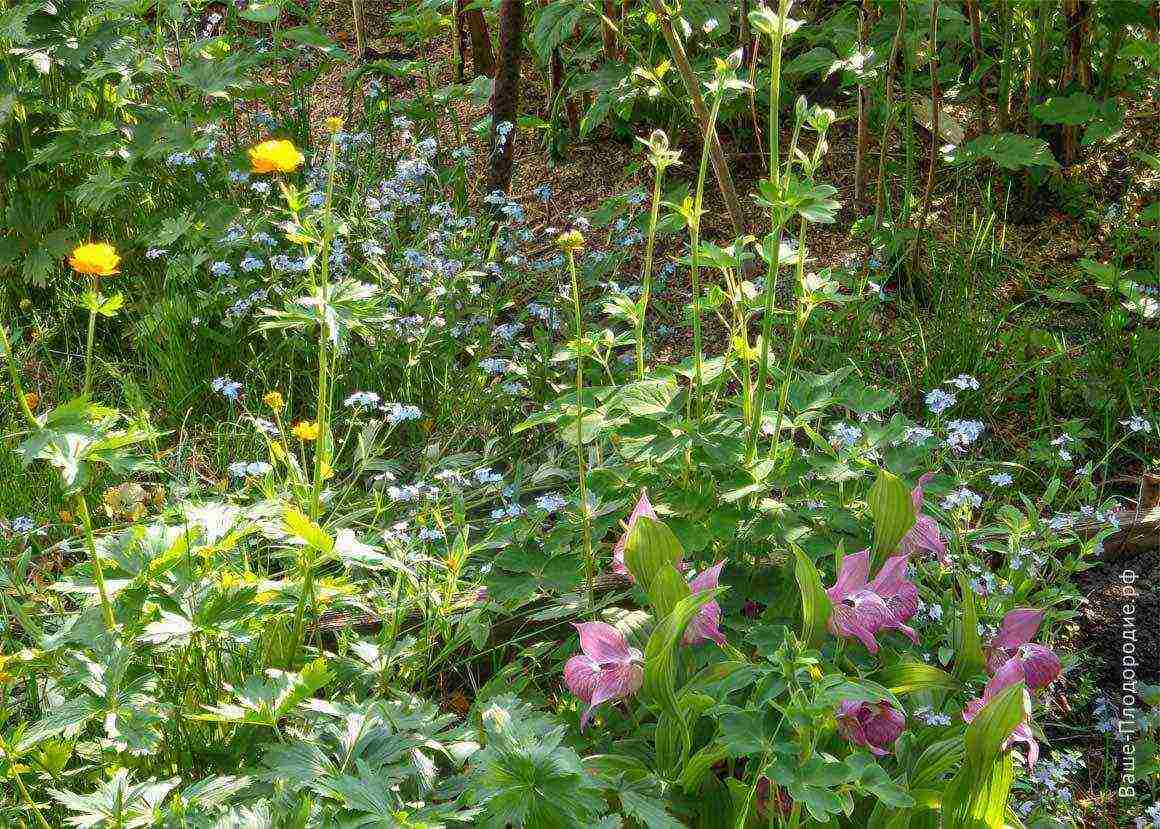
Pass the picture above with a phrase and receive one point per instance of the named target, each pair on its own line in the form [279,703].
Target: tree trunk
[459,45]
[972,9]
[506,97]
[693,88]
[482,59]
[1076,71]
[607,32]
[862,147]
[880,189]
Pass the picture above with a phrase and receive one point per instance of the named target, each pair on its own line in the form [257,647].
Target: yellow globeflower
[95,259]
[306,430]
[277,156]
[274,400]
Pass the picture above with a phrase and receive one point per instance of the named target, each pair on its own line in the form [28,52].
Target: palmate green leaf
[969,658]
[117,802]
[893,512]
[1008,150]
[528,779]
[816,605]
[264,701]
[556,22]
[78,435]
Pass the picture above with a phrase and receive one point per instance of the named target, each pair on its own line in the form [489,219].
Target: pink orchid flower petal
[852,576]
[1018,627]
[1040,665]
[603,643]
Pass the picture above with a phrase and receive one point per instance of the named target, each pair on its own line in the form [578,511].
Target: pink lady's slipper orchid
[606,669]
[1013,642]
[924,535]
[706,624]
[643,507]
[1011,673]
[872,725]
[863,610]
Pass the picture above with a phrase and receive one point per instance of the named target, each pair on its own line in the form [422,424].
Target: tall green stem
[775,231]
[82,508]
[322,404]
[14,376]
[590,561]
[40,821]
[89,339]
[791,357]
[646,282]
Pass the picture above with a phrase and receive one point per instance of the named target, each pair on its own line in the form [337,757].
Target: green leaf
[1071,110]
[976,798]
[266,701]
[1009,151]
[908,676]
[969,659]
[648,810]
[295,523]
[262,11]
[815,603]
[555,24]
[935,761]
[893,512]
[660,657]
[652,554]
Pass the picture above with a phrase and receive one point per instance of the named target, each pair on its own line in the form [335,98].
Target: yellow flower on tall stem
[306,430]
[275,156]
[95,259]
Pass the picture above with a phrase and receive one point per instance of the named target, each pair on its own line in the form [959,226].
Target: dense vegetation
[579,414]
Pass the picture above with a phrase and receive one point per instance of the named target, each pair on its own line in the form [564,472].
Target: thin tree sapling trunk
[973,15]
[506,97]
[693,88]
[482,59]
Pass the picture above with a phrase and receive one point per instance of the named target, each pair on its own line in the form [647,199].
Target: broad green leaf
[893,512]
[660,657]
[815,603]
[650,552]
[969,659]
[908,676]
[1009,151]
[935,761]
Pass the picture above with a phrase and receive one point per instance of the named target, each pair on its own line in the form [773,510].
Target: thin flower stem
[646,283]
[14,376]
[775,234]
[322,406]
[89,339]
[795,345]
[82,508]
[590,561]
